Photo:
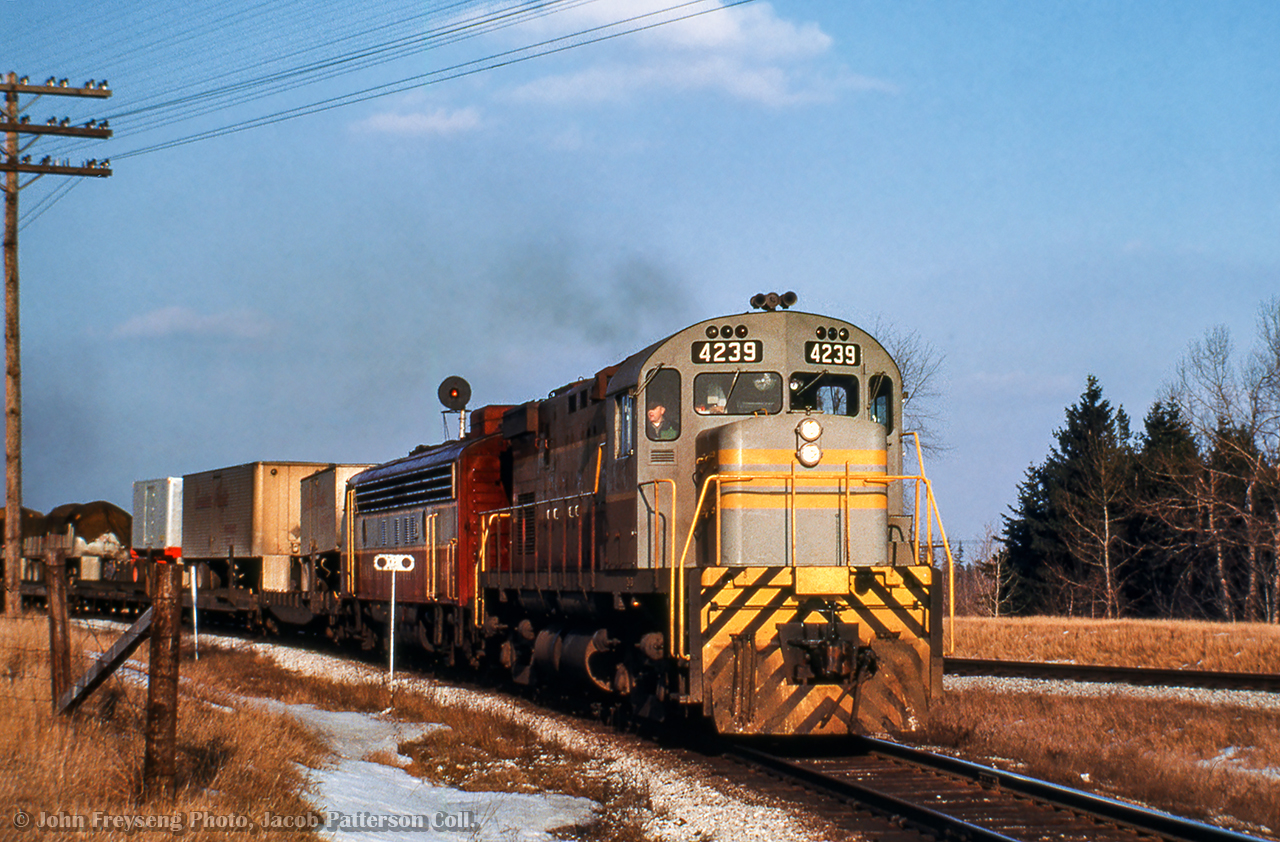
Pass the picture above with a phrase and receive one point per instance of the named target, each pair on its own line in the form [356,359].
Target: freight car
[717,523]
[94,537]
[242,536]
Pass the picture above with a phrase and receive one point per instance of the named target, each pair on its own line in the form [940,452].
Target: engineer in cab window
[660,427]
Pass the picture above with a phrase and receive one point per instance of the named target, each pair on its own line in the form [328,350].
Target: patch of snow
[357,796]
[355,735]
[1231,760]
[687,805]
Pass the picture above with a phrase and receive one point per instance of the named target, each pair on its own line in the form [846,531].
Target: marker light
[809,429]
[809,454]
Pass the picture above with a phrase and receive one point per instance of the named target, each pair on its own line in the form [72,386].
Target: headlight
[809,454]
[809,429]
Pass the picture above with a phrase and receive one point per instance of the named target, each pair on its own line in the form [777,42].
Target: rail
[939,793]
[1097,673]
[486,525]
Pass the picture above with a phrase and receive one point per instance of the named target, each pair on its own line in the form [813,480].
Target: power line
[506,58]
[327,63]
[175,110]
[49,200]
[364,57]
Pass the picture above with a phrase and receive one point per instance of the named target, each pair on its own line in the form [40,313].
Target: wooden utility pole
[13,164]
[158,769]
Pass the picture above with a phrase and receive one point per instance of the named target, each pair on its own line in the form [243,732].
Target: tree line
[1180,519]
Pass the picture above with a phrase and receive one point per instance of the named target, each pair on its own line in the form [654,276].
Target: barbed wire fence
[49,667]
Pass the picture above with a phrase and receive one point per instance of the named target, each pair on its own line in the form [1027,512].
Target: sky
[1038,191]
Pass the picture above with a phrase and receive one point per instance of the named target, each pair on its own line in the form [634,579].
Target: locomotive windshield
[737,393]
[820,391]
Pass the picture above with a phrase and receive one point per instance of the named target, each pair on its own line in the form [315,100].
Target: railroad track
[1114,675]
[943,797]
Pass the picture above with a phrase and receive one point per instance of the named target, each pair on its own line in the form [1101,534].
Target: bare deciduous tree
[921,365]
[1234,411]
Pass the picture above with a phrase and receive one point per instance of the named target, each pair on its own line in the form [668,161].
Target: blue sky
[1041,191]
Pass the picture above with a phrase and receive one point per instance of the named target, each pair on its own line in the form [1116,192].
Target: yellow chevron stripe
[783,577]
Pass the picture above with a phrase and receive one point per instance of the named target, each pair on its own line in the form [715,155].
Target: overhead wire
[320,70]
[226,95]
[597,34]
[45,202]
[345,50]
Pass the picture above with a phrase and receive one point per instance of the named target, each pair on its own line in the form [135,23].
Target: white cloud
[746,52]
[766,84]
[754,29]
[183,321]
[434,123]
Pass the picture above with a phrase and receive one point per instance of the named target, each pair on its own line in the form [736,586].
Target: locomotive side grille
[662,457]
[524,527]
[431,486]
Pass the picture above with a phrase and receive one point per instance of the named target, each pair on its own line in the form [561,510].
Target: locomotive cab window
[880,389]
[662,405]
[737,393]
[624,420]
[820,391]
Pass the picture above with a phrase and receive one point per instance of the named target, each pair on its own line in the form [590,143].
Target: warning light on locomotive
[454,393]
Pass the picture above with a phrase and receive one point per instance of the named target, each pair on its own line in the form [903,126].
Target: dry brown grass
[228,762]
[1159,752]
[1167,644]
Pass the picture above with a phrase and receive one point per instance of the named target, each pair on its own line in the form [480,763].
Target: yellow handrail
[432,560]
[350,513]
[486,523]
[946,545]
[654,559]
[677,646]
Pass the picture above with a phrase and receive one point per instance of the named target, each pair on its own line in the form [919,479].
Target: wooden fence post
[158,765]
[55,577]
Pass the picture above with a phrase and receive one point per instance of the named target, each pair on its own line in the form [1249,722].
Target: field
[1240,647]
[1174,752]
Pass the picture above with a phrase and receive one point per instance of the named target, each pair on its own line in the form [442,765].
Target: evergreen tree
[1169,574]
[1067,534]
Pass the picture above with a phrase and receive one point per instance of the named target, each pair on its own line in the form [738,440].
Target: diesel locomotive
[719,522]
[718,525]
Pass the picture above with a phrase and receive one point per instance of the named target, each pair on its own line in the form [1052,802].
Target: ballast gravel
[1041,686]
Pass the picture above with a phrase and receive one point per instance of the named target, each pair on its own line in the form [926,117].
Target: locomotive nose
[794,492]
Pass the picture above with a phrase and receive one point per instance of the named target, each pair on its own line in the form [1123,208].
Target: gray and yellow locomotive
[717,522]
